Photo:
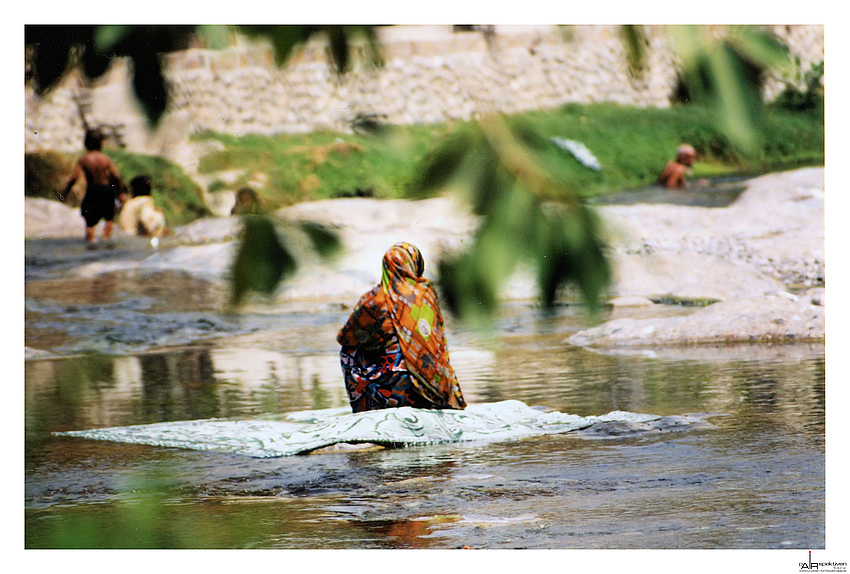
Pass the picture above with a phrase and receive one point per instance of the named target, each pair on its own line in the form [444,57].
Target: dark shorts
[99,203]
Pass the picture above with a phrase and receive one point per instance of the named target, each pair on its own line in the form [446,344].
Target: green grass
[631,144]
[46,174]
[172,190]
[323,165]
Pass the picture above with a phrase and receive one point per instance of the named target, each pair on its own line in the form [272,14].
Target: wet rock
[619,429]
[30,353]
[44,218]
[767,318]
[212,261]
[348,447]
[367,227]
[209,230]
[720,352]
[746,256]
[687,276]
[775,228]
[630,301]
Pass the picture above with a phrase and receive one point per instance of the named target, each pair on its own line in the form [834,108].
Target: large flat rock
[746,256]
[777,318]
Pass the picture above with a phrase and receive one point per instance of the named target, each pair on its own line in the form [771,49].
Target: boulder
[775,317]
[46,218]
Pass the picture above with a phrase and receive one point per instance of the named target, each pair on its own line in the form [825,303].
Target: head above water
[404,258]
[94,140]
[686,154]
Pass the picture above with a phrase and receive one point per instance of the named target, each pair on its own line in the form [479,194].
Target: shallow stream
[133,350]
[718,192]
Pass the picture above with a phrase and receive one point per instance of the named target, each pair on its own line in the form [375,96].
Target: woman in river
[394,351]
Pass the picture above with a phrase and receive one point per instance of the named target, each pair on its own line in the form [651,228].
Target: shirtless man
[99,201]
[673,176]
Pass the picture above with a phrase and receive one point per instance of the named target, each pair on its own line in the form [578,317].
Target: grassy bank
[631,144]
[172,190]
[323,165]
[46,174]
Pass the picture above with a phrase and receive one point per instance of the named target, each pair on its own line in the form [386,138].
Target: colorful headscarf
[408,305]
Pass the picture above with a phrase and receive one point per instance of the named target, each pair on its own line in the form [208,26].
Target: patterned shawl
[406,303]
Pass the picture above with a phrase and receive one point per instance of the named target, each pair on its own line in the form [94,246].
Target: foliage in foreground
[322,165]
[496,166]
[508,170]
[631,144]
[504,167]
[54,50]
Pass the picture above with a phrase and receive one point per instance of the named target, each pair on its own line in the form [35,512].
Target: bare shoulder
[96,158]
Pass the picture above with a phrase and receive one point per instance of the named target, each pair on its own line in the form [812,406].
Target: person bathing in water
[100,199]
[673,176]
[394,351]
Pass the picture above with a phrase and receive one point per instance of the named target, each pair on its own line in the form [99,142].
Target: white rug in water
[309,430]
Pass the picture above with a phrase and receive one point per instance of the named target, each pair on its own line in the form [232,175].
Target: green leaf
[593,272]
[760,47]
[635,43]
[284,39]
[338,43]
[106,38]
[725,75]
[149,84]
[482,180]
[497,167]
[467,287]
[373,45]
[442,164]
[51,53]
[95,63]
[261,261]
[215,37]
[325,241]
[736,100]
[688,44]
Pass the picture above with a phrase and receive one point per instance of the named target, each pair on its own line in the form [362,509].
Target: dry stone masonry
[429,74]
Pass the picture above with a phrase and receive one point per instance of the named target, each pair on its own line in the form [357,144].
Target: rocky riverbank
[761,260]
[756,267]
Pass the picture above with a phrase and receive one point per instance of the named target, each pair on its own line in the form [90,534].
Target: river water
[131,349]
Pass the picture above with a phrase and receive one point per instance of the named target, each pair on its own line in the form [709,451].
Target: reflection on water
[206,382]
[755,480]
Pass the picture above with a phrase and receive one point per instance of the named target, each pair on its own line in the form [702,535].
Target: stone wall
[430,74]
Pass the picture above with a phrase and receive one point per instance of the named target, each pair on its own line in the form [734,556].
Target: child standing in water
[100,199]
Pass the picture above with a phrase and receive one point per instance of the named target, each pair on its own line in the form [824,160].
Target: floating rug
[305,431]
